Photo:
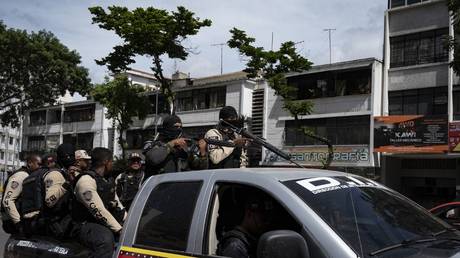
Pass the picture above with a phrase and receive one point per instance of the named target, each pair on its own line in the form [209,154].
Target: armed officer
[82,163]
[97,211]
[129,182]
[223,156]
[12,195]
[171,152]
[46,198]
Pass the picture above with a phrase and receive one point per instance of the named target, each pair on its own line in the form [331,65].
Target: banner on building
[411,134]
[344,156]
[454,137]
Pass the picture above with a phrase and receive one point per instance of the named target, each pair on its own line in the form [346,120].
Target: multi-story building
[197,103]
[10,139]
[82,123]
[345,97]
[419,81]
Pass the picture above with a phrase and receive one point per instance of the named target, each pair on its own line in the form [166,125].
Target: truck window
[167,215]
[227,211]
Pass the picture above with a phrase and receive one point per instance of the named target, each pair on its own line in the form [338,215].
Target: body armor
[128,186]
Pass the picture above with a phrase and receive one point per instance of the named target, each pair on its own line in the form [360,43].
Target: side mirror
[281,244]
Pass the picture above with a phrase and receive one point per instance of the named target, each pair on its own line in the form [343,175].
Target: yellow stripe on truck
[152,253]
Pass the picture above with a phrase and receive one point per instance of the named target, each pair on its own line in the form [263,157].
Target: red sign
[454,137]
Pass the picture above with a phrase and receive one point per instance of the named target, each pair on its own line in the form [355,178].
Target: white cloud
[359,25]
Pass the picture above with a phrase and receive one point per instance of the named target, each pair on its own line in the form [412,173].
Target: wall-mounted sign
[454,137]
[344,156]
[411,134]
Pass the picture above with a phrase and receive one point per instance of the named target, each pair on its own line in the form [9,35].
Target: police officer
[82,163]
[129,182]
[171,152]
[46,198]
[97,210]
[11,198]
[222,156]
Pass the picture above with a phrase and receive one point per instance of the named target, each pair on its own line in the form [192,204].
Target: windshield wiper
[403,244]
[443,231]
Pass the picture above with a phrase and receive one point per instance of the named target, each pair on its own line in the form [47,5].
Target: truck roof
[279,173]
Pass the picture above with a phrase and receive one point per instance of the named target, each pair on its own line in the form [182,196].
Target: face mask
[172,133]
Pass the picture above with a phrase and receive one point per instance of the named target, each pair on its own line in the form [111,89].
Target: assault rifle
[257,140]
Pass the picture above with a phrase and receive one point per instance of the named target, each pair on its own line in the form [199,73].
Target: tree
[273,66]
[123,101]
[454,44]
[35,69]
[150,32]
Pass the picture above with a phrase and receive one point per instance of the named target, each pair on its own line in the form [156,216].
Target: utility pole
[330,44]
[221,55]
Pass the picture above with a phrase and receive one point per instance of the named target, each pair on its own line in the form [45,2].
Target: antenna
[330,44]
[221,55]
[272,42]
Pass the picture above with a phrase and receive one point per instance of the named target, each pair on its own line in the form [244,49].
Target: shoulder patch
[14,185]
[88,195]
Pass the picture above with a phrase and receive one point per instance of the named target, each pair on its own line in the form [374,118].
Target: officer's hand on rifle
[203,147]
[180,143]
[240,142]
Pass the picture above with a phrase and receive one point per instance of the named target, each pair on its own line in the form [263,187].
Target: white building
[10,139]
[419,81]
[82,123]
[346,96]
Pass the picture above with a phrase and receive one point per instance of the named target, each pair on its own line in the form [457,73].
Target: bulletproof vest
[105,190]
[170,164]
[33,192]
[232,161]
[127,187]
[18,200]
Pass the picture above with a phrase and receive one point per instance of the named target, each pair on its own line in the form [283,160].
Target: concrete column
[386,65]
[450,74]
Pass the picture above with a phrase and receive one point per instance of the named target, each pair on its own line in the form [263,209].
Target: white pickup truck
[318,213]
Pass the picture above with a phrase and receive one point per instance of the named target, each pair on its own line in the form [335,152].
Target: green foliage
[150,32]
[123,101]
[35,69]
[454,44]
[273,66]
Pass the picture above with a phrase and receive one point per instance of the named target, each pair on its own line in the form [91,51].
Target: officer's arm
[86,193]
[55,184]
[12,191]
[120,207]
[217,153]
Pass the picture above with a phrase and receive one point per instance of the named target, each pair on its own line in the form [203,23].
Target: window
[429,101]
[79,113]
[332,84]
[166,219]
[2,139]
[396,3]
[36,143]
[82,141]
[11,141]
[339,130]
[10,156]
[2,155]
[163,106]
[37,118]
[54,116]
[201,99]
[419,48]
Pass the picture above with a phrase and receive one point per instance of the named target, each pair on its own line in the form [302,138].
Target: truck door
[164,225]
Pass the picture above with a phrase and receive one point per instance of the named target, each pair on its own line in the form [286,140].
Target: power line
[330,44]
[221,55]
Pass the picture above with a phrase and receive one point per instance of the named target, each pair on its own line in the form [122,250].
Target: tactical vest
[232,161]
[33,192]
[127,187]
[105,190]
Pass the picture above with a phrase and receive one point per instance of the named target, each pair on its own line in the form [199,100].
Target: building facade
[10,140]
[82,124]
[197,102]
[345,97]
[419,81]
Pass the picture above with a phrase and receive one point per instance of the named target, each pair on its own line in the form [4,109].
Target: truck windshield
[364,214]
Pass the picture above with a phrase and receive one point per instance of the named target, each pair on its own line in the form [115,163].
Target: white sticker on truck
[326,184]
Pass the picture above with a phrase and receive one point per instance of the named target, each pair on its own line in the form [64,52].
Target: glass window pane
[410,105]
[413,1]
[397,51]
[411,49]
[425,102]
[442,51]
[426,48]
[395,105]
[396,3]
[167,216]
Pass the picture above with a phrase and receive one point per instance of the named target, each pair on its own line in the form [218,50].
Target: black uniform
[128,185]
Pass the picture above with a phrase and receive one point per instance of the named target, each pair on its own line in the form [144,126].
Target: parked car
[449,212]
[316,213]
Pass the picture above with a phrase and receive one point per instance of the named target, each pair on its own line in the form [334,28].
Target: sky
[358,24]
